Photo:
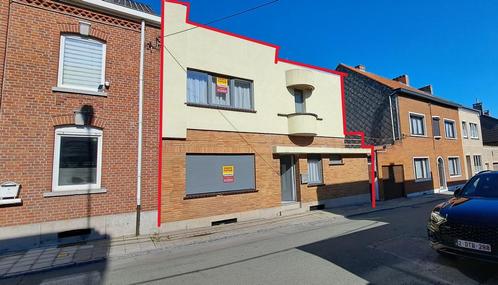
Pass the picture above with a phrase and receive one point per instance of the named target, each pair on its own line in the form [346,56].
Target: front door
[442,175]
[393,181]
[288,178]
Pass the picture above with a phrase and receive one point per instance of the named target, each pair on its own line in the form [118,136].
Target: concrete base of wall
[45,234]
[283,210]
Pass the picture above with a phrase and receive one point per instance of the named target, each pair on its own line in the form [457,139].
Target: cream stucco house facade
[246,134]
[473,148]
[490,157]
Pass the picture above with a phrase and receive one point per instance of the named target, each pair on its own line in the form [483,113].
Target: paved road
[385,247]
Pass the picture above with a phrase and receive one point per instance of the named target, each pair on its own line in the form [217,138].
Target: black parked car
[467,224]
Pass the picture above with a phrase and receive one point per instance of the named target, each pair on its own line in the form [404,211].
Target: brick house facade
[410,129]
[33,108]
[248,135]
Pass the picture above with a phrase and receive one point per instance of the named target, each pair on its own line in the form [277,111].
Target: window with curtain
[454,166]
[197,83]
[421,166]
[417,125]
[436,130]
[449,129]
[81,63]
[219,91]
[299,101]
[474,132]
[315,171]
[477,163]
[465,133]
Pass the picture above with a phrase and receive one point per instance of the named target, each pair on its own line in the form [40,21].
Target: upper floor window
[474,132]
[81,63]
[465,132]
[299,101]
[417,124]
[449,129]
[77,158]
[436,129]
[220,91]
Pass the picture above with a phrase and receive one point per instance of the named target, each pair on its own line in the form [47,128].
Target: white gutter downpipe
[140,119]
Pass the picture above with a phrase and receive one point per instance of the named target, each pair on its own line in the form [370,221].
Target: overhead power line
[226,17]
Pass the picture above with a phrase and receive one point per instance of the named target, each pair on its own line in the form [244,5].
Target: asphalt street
[384,247]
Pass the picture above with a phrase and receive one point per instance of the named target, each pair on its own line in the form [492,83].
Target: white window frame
[320,165]
[465,130]
[424,124]
[71,132]
[454,129]
[459,163]
[476,168]
[477,131]
[429,172]
[61,62]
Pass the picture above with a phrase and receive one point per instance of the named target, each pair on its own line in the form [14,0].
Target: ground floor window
[77,158]
[422,170]
[216,173]
[315,170]
[477,163]
[454,166]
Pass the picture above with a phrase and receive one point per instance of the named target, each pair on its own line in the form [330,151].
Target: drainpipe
[140,115]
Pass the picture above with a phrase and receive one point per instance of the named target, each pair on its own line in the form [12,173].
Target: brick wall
[403,151]
[30,111]
[348,179]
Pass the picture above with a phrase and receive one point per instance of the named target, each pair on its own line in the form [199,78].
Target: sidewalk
[43,259]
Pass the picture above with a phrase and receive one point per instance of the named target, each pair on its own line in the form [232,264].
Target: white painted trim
[10,201]
[454,128]
[78,91]
[318,150]
[83,132]
[428,170]
[477,129]
[467,130]
[61,61]
[117,9]
[74,192]
[459,165]
[410,124]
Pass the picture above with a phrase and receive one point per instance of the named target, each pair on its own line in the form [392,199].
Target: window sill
[10,201]
[451,138]
[474,139]
[455,176]
[315,184]
[418,136]
[220,108]
[59,193]
[214,194]
[336,163]
[78,91]
[423,180]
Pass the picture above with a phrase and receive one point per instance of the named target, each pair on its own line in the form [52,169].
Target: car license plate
[474,245]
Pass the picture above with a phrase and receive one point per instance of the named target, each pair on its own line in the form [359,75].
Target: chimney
[486,112]
[361,67]
[477,106]
[403,79]
[427,89]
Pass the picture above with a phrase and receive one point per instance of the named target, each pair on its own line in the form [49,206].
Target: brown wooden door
[393,181]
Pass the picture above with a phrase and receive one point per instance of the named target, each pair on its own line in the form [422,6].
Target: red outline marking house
[281,124]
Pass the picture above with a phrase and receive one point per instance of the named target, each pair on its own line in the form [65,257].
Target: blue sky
[452,45]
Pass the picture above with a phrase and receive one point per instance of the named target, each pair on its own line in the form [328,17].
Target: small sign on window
[228,173]
[221,85]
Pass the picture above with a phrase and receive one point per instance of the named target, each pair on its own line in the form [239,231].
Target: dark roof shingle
[133,5]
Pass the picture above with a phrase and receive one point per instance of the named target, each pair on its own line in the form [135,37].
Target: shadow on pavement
[73,257]
[399,252]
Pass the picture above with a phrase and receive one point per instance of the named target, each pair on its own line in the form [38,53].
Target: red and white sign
[221,85]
